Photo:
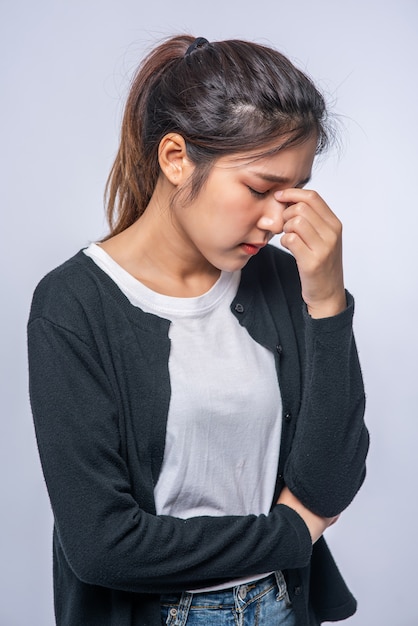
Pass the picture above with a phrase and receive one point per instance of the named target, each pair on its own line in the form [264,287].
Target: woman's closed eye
[258,194]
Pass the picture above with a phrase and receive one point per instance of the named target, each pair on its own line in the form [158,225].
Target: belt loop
[282,588]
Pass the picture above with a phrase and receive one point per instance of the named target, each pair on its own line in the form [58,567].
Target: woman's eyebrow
[281,180]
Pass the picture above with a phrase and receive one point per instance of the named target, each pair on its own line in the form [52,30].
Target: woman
[196,392]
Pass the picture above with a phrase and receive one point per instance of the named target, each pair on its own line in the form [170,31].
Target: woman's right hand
[315,523]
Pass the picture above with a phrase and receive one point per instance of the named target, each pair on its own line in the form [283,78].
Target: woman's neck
[156,253]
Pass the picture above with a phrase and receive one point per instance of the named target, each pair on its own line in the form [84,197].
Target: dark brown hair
[223,97]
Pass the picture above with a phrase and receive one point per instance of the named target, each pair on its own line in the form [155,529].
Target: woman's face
[235,214]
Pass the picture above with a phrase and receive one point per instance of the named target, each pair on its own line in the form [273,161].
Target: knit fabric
[100,392]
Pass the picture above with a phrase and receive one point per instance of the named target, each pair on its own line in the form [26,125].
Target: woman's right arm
[107,537]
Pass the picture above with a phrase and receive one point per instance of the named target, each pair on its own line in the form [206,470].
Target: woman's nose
[272,217]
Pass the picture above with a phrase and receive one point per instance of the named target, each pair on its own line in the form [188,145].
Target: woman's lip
[252,248]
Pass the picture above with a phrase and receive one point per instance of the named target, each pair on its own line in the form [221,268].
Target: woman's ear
[173,159]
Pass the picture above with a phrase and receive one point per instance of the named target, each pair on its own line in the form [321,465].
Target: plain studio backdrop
[65,70]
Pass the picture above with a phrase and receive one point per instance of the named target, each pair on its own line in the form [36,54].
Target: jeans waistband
[230,596]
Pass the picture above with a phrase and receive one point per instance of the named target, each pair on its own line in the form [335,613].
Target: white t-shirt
[224,419]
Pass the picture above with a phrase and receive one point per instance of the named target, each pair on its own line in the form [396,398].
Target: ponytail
[135,170]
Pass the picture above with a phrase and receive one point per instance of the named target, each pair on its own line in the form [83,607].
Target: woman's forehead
[274,161]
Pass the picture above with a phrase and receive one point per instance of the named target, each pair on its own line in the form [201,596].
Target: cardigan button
[297,591]
[287,417]
[239,308]
[279,349]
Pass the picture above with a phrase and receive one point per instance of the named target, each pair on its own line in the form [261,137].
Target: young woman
[196,392]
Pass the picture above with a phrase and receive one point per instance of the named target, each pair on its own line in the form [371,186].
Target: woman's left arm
[326,465]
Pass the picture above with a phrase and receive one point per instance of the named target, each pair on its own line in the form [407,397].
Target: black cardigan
[100,390]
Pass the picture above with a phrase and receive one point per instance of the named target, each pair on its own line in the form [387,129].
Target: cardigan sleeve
[107,538]
[326,464]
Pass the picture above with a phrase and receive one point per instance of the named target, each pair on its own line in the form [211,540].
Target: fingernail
[278,194]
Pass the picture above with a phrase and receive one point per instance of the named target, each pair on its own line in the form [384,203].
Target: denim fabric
[262,603]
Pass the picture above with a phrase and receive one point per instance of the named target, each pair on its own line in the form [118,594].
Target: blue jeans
[262,603]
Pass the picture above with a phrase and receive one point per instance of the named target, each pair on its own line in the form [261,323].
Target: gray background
[65,68]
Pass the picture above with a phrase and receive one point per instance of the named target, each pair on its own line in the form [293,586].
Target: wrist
[329,307]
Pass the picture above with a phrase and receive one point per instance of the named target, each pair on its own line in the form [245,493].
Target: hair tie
[199,42]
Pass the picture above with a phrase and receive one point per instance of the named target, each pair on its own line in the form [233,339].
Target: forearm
[164,554]
[326,465]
